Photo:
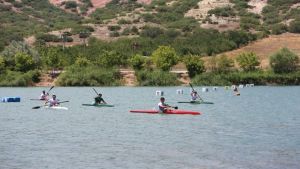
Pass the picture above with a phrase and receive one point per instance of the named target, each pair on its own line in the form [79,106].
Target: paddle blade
[50,89]
[95,91]
[36,107]
[191,86]
[63,102]
[175,107]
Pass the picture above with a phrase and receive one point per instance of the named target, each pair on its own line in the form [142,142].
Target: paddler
[162,106]
[44,95]
[236,91]
[53,101]
[195,96]
[99,99]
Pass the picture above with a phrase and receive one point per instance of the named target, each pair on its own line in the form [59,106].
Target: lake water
[258,130]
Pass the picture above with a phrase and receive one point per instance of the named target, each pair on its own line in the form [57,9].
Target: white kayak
[56,107]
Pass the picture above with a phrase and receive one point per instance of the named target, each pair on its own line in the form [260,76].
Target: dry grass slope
[268,46]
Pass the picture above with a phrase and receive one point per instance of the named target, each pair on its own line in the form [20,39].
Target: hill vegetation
[149,37]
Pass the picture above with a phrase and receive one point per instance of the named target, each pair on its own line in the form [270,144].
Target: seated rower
[44,95]
[162,106]
[195,96]
[99,99]
[53,101]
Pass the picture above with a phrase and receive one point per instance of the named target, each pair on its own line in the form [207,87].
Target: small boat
[99,105]
[170,111]
[56,107]
[196,102]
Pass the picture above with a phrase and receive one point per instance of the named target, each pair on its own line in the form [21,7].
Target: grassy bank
[257,78]
[89,76]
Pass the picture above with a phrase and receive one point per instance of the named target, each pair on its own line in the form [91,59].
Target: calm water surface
[258,130]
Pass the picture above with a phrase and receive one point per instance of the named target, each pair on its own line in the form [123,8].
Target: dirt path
[46,80]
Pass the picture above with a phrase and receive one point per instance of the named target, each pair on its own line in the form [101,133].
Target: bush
[284,61]
[295,26]
[24,62]
[114,34]
[278,29]
[248,61]
[224,64]
[2,64]
[256,77]
[70,4]
[164,57]
[137,62]
[113,27]
[48,38]
[194,65]
[156,78]
[12,78]
[82,62]
[151,32]
[123,21]
[224,11]
[111,58]
[89,76]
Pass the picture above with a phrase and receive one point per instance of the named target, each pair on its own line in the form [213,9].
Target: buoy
[204,89]
[159,93]
[11,99]
[179,91]
[241,86]
[215,88]
[251,85]
[226,87]
[247,85]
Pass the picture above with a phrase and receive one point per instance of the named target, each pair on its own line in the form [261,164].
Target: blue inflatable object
[11,99]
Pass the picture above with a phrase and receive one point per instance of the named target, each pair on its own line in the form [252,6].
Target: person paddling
[99,99]
[162,106]
[236,91]
[195,96]
[44,95]
[53,101]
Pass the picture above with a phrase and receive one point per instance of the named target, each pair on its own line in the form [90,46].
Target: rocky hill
[69,23]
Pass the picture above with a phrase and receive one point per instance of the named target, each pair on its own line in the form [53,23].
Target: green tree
[224,64]
[82,62]
[24,62]
[18,47]
[112,58]
[2,64]
[248,61]
[194,65]
[51,57]
[165,57]
[137,62]
[284,61]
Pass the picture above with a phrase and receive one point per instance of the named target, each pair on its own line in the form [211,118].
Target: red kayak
[172,111]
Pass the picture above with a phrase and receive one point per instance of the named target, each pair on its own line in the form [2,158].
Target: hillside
[264,48]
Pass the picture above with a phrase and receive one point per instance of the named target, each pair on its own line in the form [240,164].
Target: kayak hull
[180,112]
[196,102]
[98,105]
[56,108]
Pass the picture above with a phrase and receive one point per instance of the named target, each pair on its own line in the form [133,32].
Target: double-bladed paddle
[37,107]
[50,89]
[95,91]
[194,90]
